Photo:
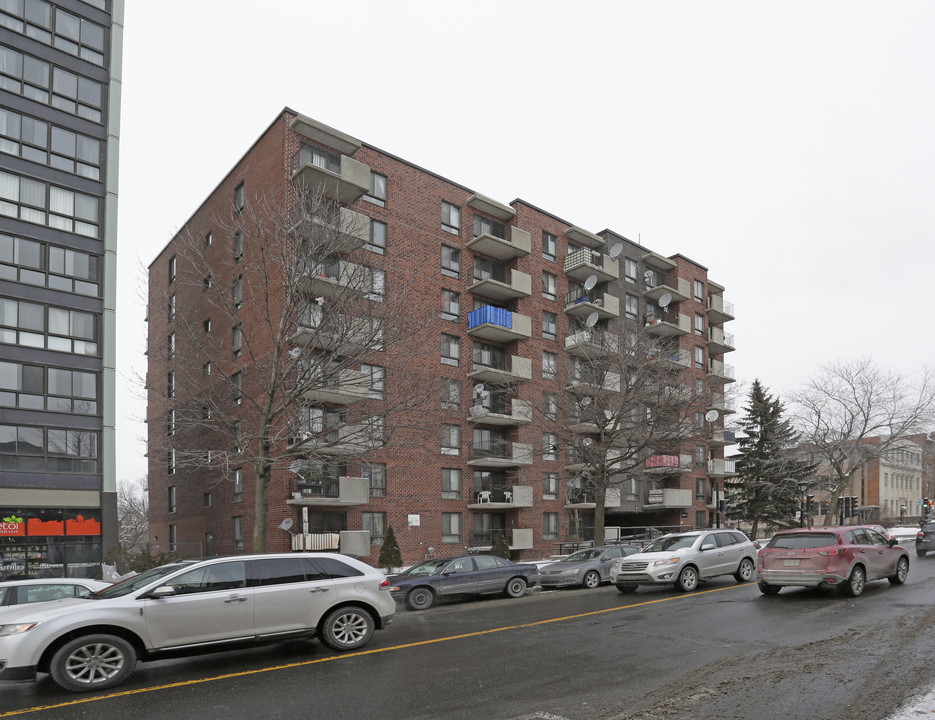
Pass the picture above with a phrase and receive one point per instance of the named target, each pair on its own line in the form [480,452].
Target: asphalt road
[725,651]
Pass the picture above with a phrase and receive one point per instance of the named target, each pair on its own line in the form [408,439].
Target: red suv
[840,557]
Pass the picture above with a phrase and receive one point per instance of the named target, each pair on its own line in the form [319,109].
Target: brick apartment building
[60,75]
[474,266]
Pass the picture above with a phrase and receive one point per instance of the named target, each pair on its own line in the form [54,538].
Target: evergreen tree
[501,547]
[390,556]
[768,472]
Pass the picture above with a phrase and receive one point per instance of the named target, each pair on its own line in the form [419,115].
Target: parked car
[589,567]
[925,539]
[684,559]
[833,556]
[421,584]
[93,642]
[21,592]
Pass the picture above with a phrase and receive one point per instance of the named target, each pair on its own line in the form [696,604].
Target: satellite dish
[286,524]
[479,388]
[585,401]
[587,442]
[711,415]
[616,250]
[320,300]
[592,319]
[665,300]
[590,282]
[648,275]
[297,467]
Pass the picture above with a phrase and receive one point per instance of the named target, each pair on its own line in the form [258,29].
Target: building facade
[60,74]
[513,292]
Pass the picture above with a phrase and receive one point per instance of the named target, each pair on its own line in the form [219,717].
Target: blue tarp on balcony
[490,314]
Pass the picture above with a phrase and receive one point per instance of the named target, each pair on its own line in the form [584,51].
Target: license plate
[790,563]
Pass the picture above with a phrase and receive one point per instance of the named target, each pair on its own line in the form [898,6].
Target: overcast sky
[789,147]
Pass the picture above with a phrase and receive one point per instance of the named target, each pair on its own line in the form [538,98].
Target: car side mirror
[162,591]
[891,542]
[708,546]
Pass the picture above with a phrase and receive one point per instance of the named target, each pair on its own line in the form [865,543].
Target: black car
[463,575]
[925,539]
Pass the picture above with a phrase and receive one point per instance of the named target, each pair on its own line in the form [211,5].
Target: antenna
[711,415]
[479,388]
[648,275]
[590,282]
[592,319]
[665,300]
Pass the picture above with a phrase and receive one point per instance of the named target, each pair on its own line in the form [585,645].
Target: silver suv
[683,559]
[92,643]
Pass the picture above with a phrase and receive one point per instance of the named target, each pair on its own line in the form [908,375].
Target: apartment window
[699,291]
[376,380]
[237,340]
[207,283]
[238,245]
[207,368]
[486,226]
[632,306]
[70,271]
[550,406]
[550,526]
[238,291]
[206,500]
[27,76]
[451,305]
[170,423]
[171,345]
[377,194]
[238,485]
[239,198]
[451,394]
[207,325]
[376,473]
[76,36]
[699,357]
[451,527]
[238,533]
[170,385]
[237,383]
[549,365]
[172,496]
[550,486]
[630,270]
[451,261]
[451,440]
[170,462]
[206,412]
[172,305]
[549,446]
[451,218]
[549,325]
[549,245]
[50,145]
[173,267]
[451,350]
[699,324]
[69,391]
[699,387]
[375,524]
[699,421]
[451,484]
[208,240]
[377,242]
[377,287]
[549,286]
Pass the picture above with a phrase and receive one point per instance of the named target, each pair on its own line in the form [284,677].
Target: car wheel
[420,599]
[902,571]
[92,662]
[627,588]
[744,571]
[347,628]
[921,553]
[516,587]
[855,583]
[687,580]
[768,589]
[591,579]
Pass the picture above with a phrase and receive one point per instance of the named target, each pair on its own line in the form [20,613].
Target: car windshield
[803,541]
[672,542]
[429,567]
[582,555]
[132,584]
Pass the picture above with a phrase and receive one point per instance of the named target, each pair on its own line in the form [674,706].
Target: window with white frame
[549,446]
[376,380]
[44,204]
[451,484]
[239,198]
[550,526]
[238,245]
[238,485]
[631,270]
[451,261]
[550,486]
[451,218]
[237,291]
[170,462]
[699,324]
[451,394]
[549,325]
[451,440]
[451,305]
[377,288]
[377,194]
[237,340]
[170,345]
[172,498]
[375,524]
[170,422]
[170,385]
[549,365]
[376,473]
[549,285]
[237,384]
[451,350]
[172,307]
[549,245]
[377,243]
[451,527]
[699,290]
[699,357]
[632,306]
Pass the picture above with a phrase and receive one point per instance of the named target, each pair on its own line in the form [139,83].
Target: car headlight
[572,572]
[669,561]
[16,629]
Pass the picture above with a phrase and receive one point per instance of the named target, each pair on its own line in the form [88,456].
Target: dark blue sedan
[465,575]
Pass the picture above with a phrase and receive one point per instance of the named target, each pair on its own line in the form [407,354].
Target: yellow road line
[344,656]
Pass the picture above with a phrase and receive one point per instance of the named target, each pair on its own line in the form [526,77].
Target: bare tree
[133,514]
[853,412]
[289,370]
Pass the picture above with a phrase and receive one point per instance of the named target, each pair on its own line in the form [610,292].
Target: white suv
[93,642]
[683,559]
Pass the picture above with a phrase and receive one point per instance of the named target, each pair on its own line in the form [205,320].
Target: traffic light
[810,504]
[850,505]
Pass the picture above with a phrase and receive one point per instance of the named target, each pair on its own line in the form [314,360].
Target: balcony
[515,412]
[589,426]
[340,334]
[489,206]
[661,498]
[503,498]
[721,371]
[719,342]
[677,359]
[342,440]
[518,370]
[501,454]
[667,323]
[591,343]
[517,539]
[348,387]
[720,437]
[658,262]
[503,284]
[660,282]
[584,499]
[722,405]
[719,311]
[499,325]
[596,381]
[341,491]
[721,468]
[668,464]
[581,303]
[348,542]
[583,237]
[519,245]
[346,182]
[335,279]
[344,233]
[581,264]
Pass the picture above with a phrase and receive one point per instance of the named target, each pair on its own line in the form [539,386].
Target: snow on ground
[920,707]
